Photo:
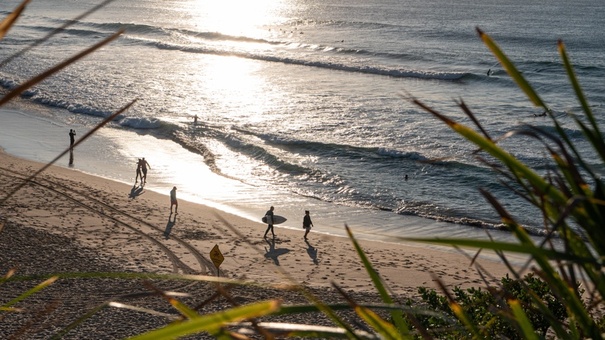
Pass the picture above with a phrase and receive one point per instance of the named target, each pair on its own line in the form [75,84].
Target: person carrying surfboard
[269,215]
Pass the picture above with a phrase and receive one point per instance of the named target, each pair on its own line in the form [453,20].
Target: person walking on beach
[72,138]
[307,223]
[269,215]
[144,166]
[139,174]
[173,201]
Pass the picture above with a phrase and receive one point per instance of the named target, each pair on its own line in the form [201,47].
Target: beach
[68,221]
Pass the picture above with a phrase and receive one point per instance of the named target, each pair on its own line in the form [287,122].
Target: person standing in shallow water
[307,223]
[72,138]
[144,166]
[139,174]
[269,215]
[173,201]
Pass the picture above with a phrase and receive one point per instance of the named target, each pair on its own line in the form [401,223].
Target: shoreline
[111,153]
[204,226]
[107,225]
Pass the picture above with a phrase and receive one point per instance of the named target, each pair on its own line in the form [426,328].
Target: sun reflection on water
[237,17]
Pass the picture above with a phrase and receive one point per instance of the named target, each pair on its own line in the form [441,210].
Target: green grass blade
[461,315]
[527,330]
[384,328]
[30,292]
[211,323]
[514,165]
[183,309]
[396,315]
[512,70]
[576,86]
[595,135]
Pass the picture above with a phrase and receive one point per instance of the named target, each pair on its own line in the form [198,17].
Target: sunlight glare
[237,17]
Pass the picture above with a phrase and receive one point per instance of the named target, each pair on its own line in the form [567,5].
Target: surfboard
[278,219]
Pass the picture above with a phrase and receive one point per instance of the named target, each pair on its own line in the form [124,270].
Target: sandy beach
[67,221]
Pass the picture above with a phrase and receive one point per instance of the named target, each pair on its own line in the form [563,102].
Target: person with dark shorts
[144,166]
[138,174]
[307,223]
[269,216]
[72,138]
[173,201]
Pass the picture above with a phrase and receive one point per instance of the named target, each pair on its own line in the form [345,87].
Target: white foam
[112,153]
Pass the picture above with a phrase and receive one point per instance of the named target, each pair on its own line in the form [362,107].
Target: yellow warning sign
[216,256]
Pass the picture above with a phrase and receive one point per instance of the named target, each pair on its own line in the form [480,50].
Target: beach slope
[67,221]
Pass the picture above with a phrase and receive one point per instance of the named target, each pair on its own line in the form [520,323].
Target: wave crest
[140,123]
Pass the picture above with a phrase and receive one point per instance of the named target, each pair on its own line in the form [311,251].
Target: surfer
[269,215]
[307,223]
[195,120]
[543,114]
[173,201]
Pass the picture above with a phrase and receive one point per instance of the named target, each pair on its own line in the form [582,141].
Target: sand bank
[116,227]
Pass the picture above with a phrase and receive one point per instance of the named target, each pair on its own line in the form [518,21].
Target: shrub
[488,310]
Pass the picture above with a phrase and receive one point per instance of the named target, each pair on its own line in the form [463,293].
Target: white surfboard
[278,219]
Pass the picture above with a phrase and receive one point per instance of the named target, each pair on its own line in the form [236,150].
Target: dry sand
[67,221]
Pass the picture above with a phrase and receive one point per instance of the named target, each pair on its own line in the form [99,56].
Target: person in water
[139,174]
[72,138]
[269,216]
[307,223]
[144,166]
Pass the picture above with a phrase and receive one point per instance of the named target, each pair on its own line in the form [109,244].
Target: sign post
[217,258]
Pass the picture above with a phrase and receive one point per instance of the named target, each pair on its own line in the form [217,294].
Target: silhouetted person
[195,120]
[144,166]
[173,201]
[269,215]
[72,138]
[307,223]
[139,174]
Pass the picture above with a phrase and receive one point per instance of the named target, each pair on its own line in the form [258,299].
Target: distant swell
[376,70]
[164,38]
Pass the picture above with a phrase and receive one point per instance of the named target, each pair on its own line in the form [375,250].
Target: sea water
[304,105]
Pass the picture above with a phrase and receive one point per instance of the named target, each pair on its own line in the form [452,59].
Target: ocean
[304,105]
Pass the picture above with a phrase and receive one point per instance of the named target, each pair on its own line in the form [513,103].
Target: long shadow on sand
[169,225]
[273,253]
[136,191]
[312,251]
